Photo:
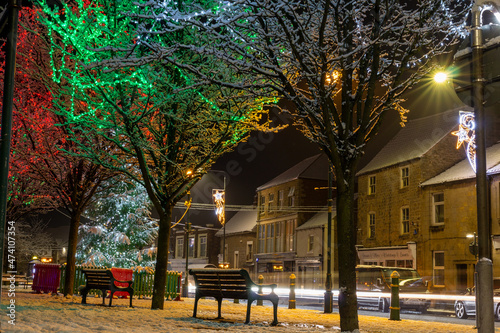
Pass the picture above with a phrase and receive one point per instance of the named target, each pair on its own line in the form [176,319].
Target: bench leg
[84,296]
[219,301]
[195,306]
[249,306]
[131,293]
[275,314]
[110,297]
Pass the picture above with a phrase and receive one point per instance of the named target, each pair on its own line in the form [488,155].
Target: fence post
[261,281]
[291,297]
[395,309]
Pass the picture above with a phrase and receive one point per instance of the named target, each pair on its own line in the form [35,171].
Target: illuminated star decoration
[219,204]
[466,133]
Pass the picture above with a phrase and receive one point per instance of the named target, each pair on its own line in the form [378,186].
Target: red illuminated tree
[43,172]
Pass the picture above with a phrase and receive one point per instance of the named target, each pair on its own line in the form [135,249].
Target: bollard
[395,309]
[291,297]
[261,281]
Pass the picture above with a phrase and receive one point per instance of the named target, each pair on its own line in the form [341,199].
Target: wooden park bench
[103,280]
[233,284]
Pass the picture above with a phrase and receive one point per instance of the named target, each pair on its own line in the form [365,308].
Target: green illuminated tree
[160,119]
[342,64]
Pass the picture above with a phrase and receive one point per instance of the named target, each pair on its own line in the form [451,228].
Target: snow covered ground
[47,313]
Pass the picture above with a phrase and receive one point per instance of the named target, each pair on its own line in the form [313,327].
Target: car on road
[374,288]
[467,306]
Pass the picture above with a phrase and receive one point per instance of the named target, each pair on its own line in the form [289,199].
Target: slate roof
[314,167]
[318,220]
[462,170]
[242,221]
[415,139]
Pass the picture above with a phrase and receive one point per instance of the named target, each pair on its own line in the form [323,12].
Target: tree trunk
[69,279]
[346,234]
[160,278]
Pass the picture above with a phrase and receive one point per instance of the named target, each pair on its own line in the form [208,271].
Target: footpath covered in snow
[54,313]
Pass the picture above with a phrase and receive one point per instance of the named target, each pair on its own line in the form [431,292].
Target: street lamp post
[328,283]
[187,229]
[484,266]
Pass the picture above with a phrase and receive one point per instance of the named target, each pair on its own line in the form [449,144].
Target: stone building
[284,204]
[201,241]
[450,221]
[240,240]
[417,204]
[391,203]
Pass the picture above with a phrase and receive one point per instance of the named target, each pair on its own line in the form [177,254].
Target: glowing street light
[440,77]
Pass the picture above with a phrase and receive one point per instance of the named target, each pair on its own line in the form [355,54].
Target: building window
[280,199]
[371,185]
[262,206]
[249,254]
[405,220]
[438,208]
[405,177]
[179,247]
[262,238]
[270,203]
[290,235]
[371,225]
[191,247]
[279,237]
[202,249]
[291,196]
[236,259]
[270,238]
[438,268]
[310,243]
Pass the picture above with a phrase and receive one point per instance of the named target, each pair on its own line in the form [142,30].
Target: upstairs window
[270,202]
[262,205]
[179,247]
[280,199]
[371,185]
[310,243]
[405,220]
[371,225]
[438,208]
[405,177]
[202,249]
[291,196]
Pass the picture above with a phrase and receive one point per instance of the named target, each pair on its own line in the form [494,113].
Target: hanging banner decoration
[466,133]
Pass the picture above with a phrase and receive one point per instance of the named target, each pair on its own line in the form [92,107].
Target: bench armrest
[272,286]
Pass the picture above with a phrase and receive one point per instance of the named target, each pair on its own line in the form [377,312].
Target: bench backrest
[227,283]
[98,277]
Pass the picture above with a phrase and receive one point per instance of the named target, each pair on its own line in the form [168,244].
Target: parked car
[375,280]
[467,307]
